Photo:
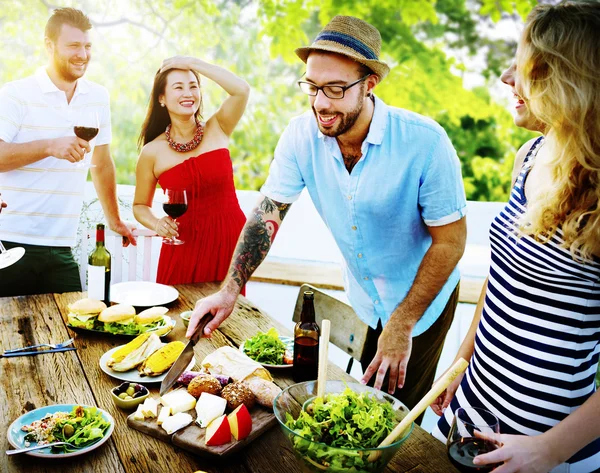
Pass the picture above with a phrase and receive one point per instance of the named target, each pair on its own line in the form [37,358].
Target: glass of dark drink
[175,206]
[470,435]
[87,128]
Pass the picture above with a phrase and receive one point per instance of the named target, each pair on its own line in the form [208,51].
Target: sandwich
[119,319]
[152,318]
[84,313]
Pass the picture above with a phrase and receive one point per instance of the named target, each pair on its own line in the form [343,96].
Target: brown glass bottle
[306,342]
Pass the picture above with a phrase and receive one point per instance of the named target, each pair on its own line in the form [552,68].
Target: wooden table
[75,377]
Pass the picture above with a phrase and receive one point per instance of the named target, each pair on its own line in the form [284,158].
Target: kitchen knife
[186,356]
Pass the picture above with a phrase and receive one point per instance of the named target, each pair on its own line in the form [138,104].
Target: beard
[63,67]
[346,120]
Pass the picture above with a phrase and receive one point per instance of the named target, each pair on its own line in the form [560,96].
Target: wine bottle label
[96,281]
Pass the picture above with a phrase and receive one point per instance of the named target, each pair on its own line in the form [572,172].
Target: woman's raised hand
[180,62]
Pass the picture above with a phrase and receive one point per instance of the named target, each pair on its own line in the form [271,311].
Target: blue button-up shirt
[408,178]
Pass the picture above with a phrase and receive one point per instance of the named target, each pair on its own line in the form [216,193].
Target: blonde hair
[558,64]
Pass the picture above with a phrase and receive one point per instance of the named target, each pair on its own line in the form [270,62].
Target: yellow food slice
[162,359]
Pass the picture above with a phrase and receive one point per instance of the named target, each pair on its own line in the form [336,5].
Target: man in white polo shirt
[43,165]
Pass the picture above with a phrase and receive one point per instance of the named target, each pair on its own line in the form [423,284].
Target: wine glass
[175,206]
[8,257]
[87,128]
[470,436]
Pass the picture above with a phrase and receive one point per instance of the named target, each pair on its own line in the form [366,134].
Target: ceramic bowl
[133,402]
[185,316]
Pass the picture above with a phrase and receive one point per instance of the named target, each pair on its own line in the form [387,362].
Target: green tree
[256,39]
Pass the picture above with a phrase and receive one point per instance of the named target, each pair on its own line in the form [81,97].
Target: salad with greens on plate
[82,427]
[267,348]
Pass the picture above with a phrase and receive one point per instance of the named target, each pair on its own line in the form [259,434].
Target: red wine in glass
[175,206]
[86,133]
[87,128]
[471,434]
[462,452]
[175,210]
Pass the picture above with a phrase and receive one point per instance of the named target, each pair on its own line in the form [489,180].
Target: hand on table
[126,231]
[444,399]
[70,148]
[393,352]
[518,453]
[219,304]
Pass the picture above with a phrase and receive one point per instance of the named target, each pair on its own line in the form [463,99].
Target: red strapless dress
[212,224]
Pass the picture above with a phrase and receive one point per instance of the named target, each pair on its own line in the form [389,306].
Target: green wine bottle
[99,269]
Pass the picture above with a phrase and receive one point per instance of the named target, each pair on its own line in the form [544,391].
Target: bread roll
[264,391]
[204,383]
[151,315]
[87,306]
[236,394]
[117,313]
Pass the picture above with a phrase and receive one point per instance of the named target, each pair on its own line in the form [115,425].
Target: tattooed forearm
[268,206]
[256,239]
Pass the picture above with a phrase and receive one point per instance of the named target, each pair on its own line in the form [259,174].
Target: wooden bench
[293,272]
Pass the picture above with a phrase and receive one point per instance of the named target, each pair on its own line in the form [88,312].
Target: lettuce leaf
[88,427]
[265,347]
[88,324]
[345,421]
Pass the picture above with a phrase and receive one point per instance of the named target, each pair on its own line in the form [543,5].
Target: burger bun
[117,313]
[151,315]
[87,307]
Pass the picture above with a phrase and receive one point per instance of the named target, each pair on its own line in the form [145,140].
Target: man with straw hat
[388,185]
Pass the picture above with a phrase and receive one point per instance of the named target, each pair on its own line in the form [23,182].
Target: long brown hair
[157,117]
[558,62]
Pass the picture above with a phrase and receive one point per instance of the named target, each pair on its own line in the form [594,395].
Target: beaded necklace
[190,145]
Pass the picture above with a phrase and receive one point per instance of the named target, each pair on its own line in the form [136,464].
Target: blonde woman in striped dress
[535,339]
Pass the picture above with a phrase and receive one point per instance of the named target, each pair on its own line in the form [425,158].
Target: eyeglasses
[330,91]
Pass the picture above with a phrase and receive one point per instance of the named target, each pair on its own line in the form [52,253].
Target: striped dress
[538,341]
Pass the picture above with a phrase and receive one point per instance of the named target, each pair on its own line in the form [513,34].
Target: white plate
[133,376]
[289,345]
[16,437]
[142,293]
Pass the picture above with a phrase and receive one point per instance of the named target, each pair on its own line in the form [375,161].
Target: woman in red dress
[182,152]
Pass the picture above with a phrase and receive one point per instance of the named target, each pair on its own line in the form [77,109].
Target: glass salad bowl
[340,434]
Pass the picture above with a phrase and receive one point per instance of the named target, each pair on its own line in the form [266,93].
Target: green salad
[265,348]
[82,427]
[343,421]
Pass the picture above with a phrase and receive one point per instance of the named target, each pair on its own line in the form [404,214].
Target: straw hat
[350,37]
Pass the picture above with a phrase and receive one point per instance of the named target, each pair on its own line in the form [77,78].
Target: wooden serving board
[191,438]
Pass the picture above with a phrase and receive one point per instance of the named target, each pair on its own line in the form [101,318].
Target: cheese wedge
[150,408]
[139,415]
[179,401]
[165,412]
[176,422]
[208,408]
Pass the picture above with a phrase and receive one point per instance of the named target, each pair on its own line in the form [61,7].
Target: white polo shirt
[45,198]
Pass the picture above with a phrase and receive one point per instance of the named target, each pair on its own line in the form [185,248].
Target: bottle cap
[309,295]
[100,232]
